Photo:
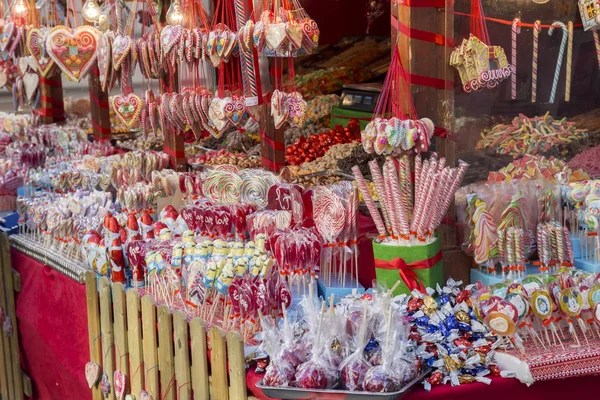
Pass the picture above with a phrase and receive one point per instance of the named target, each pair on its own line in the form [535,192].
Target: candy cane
[561,55]
[569,59]
[516,29]
[597,43]
[537,27]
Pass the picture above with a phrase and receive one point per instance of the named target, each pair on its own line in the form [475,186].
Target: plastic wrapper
[354,368]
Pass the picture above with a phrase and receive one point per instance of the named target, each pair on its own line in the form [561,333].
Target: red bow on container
[407,271]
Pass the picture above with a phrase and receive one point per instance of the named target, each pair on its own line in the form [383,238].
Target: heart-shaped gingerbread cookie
[73,50]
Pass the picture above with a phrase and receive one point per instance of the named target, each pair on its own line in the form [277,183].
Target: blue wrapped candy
[451,322]
[432,329]
[422,321]
[464,327]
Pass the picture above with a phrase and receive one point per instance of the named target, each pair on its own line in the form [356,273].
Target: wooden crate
[14,384]
[159,351]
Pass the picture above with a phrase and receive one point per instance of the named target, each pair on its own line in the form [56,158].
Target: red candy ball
[379,380]
[353,373]
[312,375]
[494,370]
[278,376]
[435,378]
[414,304]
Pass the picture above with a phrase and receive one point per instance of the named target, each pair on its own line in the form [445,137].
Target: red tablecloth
[52,323]
[500,389]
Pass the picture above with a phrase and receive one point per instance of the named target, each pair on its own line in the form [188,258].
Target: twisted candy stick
[559,243]
[568,247]
[516,29]
[597,45]
[537,27]
[379,185]
[569,59]
[561,55]
[403,229]
[364,190]
[390,199]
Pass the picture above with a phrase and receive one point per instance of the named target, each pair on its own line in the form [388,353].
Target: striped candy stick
[569,60]
[597,43]
[537,27]
[516,29]
[561,55]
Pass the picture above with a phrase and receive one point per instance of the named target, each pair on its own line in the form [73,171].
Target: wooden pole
[98,104]
[174,144]
[425,41]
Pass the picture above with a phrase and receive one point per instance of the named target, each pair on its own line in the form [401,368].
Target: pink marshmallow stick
[362,186]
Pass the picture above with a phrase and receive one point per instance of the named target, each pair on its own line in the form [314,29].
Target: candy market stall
[298,257]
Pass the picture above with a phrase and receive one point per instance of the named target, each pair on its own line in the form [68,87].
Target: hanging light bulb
[174,14]
[90,11]
[20,7]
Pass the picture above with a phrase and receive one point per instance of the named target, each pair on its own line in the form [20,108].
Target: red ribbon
[99,103]
[174,153]
[50,82]
[52,101]
[271,143]
[422,35]
[425,3]
[271,165]
[97,127]
[407,271]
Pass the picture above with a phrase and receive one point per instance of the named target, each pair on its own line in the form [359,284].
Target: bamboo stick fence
[14,384]
[160,351]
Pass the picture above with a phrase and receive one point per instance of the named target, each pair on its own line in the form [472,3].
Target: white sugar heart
[30,81]
[92,373]
[275,35]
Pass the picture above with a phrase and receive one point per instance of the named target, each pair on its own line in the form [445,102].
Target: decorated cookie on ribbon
[73,50]
[36,46]
[92,373]
[128,108]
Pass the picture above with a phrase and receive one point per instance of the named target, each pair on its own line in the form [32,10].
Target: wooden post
[165,354]
[182,385]
[106,327]
[150,350]
[98,104]
[93,314]
[425,41]
[11,313]
[237,366]
[134,334]
[120,324]
[273,142]
[199,360]
[51,107]
[218,364]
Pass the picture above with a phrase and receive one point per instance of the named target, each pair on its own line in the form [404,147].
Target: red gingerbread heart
[73,50]
[36,44]
[128,108]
